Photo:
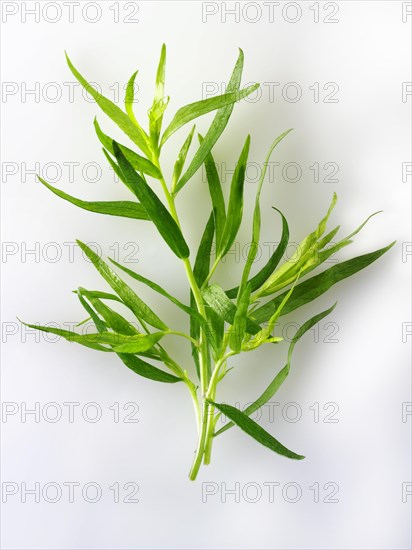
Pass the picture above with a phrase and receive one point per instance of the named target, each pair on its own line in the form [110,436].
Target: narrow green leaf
[117,322]
[282,374]
[261,277]
[216,298]
[85,340]
[306,326]
[115,168]
[103,295]
[159,101]
[127,295]
[160,75]
[125,209]
[306,250]
[202,107]
[129,98]
[265,334]
[80,323]
[114,320]
[201,267]
[275,316]
[362,225]
[100,325]
[119,342]
[156,210]
[217,326]
[323,255]
[216,194]
[257,215]
[155,119]
[322,224]
[138,343]
[264,398]
[132,130]
[238,329]
[137,365]
[327,238]
[219,123]
[200,271]
[315,286]
[181,159]
[154,286]
[138,162]
[254,430]
[235,206]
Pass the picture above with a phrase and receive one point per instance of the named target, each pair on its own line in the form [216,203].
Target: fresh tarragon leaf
[315,286]
[235,205]
[282,374]
[133,131]
[158,213]
[125,209]
[261,277]
[154,286]
[216,195]
[127,295]
[137,161]
[133,362]
[217,127]
[202,107]
[216,298]
[254,430]
[181,158]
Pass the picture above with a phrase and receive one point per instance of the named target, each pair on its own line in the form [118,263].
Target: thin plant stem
[184,335]
[211,394]
[212,270]
[202,344]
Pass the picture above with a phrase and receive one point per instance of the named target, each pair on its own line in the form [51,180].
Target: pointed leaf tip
[254,430]
[156,210]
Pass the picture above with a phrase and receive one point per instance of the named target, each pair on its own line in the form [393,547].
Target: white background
[365,372]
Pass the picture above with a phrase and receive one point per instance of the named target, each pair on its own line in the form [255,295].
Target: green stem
[202,345]
[205,441]
[211,394]
[209,435]
[201,446]
[171,363]
[184,335]
[196,405]
[214,266]
[209,443]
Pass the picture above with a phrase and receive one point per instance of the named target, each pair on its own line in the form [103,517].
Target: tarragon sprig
[222,323]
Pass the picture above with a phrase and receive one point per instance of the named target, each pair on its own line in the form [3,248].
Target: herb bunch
[223,323]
